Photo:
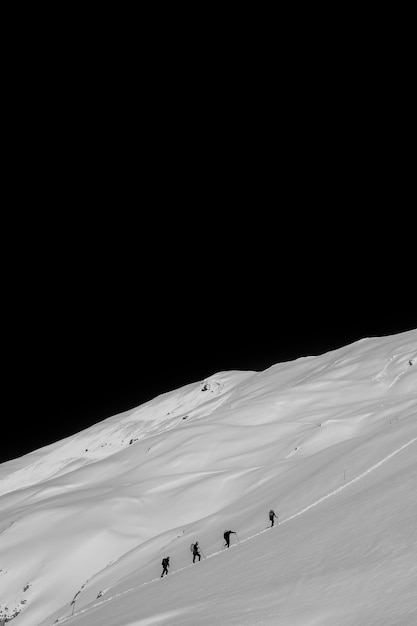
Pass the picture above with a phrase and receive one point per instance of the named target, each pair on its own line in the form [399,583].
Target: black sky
[167,224]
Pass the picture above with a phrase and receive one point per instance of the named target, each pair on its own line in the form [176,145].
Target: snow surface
[329,442]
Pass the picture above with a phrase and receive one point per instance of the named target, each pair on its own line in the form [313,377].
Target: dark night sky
[178,208]
[214,230]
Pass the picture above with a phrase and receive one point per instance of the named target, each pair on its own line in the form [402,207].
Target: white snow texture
[329,442]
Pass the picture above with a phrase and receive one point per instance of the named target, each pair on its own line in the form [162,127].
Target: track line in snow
[284,521]
[350,482]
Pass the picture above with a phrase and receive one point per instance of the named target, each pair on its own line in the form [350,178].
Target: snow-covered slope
[329,442]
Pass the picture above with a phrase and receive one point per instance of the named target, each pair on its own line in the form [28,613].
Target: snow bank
[329,442]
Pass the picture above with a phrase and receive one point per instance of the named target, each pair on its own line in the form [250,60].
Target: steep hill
[329,442]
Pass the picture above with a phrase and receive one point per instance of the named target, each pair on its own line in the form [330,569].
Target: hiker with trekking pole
[226,537]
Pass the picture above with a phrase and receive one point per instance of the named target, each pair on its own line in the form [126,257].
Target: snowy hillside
[329,442]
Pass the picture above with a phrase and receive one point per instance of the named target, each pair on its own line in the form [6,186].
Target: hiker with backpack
[227,537]
[165,565]
[195,549]
[272,516]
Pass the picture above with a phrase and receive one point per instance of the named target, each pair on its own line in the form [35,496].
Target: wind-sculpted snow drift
[329,442]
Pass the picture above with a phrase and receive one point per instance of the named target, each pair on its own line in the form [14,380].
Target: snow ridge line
[284,521]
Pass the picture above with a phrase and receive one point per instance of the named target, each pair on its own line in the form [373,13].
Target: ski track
[291,517]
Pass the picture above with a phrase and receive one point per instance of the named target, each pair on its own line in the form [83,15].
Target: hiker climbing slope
[195,548]
[227,537]
[272,516]
[165,565]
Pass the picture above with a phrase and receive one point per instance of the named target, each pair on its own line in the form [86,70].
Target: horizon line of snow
[301,512]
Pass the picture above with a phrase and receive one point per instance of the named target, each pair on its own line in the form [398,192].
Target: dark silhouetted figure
[196,552]
[165,565]
[272,516]
[227,537]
